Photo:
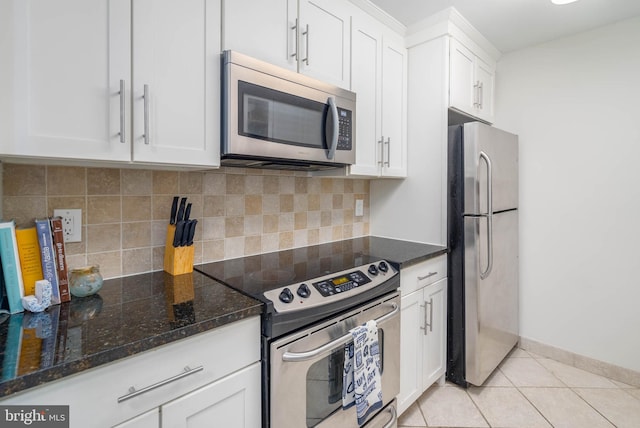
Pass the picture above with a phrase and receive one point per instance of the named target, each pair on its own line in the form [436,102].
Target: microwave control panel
[345,129]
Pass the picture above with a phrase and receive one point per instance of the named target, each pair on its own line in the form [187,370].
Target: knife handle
[177,238]
[185,233]
[187,212]
[192,231]
[174,210]
[183,202]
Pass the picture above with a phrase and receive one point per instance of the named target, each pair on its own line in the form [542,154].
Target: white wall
[575,103]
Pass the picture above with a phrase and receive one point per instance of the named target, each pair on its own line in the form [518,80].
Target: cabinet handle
[381,144]
[122,113]
[134,393]
[295,36]
[306,33]
[481,96]
[475,94]
[430,323]
[429,275]
[146,114]
[388,143]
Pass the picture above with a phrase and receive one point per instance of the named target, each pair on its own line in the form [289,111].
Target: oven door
[307,366]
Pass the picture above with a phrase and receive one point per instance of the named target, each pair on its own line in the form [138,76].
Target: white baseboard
[621,374]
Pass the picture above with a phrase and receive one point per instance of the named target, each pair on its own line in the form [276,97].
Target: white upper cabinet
[308,36]
[176,57]
[471,84]
[65,66]
[378,76]
[78,72]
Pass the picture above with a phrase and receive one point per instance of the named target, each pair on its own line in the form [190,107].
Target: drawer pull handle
[134,393]
[429,275]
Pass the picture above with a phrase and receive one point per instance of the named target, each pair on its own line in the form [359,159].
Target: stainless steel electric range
[312,297]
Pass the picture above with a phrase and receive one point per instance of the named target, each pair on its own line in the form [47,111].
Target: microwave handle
[307,355]
[334,136]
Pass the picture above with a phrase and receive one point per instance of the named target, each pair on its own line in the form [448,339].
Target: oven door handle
[293,357]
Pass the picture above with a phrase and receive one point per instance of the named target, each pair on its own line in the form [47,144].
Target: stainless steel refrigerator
[483,243]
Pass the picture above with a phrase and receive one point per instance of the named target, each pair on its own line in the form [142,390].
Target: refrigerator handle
[484,274]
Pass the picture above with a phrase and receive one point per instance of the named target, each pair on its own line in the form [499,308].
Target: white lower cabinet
[423,333]
[210,379]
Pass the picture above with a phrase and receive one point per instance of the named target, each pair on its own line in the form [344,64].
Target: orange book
[30,263]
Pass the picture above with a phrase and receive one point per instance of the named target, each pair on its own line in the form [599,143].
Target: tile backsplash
[240,211]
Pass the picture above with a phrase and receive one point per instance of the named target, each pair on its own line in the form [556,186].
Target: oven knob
[286,296]
[303,291]
[383,266]
[373,270]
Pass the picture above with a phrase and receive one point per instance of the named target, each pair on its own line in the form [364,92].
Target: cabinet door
[434,359]
[394,101]
[411,344]
[366,66]
[245,30]
[176,56]
[325,40]
[462,84]
[231,402]
[65,61]
[485,76]
[150,419]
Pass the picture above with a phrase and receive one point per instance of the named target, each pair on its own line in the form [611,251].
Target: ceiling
[514,24]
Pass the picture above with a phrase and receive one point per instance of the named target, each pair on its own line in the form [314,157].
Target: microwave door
[332,128]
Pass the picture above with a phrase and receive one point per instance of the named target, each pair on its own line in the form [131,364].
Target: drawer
[422,274]
[94,395]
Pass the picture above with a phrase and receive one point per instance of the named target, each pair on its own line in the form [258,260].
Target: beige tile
[528,372]
[214,183]
[110,263]
[497,378]
[253,204]
[326,201]
[166,183]
[234,226]
[213,205]
[300,203]
[285,240]
[506,407]
[337,201]
[619,407]
[137,260]
[234,247]
[270,223]
[287,185]
[634,392]
[271,185]
[234,205]
[326,185]
[347,231]
[103,181]
[212,250]
[253,185]
[161,207]
[103,209]
[285,222]
[301,185]
[191,182]
[286,203]
[348,186]
[313,219]
[313,236]
[300,220]
[575,377]
[24,180]
[313,202]
[235,184]
[338,185]
[563,408]
[622,385]
[270,242]
[158,233]
[450,407]
[137,182]
[157,258]
[412,417]
[518,353]
[66,180]
[253,225]
[103,237]
[252,245]
[24,209]
[271,204]
[136,208]
[300,238]
[213,228]
[136,235]
[325,218]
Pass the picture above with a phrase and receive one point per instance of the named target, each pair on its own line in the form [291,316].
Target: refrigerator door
[490,169]
[491,304]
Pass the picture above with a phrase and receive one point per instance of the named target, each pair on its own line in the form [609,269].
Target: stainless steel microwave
[279,119]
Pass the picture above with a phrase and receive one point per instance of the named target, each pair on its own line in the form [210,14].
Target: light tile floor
[529,391]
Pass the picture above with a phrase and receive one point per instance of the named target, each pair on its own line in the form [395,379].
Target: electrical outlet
[71,224]
[359,208]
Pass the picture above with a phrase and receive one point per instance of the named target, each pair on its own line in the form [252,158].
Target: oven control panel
[329,288]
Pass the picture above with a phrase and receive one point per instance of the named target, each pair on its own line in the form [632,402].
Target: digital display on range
[340,284]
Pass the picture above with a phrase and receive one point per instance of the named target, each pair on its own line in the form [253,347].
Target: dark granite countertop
[129,315]
[403,253]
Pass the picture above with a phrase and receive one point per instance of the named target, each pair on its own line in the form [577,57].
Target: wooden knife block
[177,260]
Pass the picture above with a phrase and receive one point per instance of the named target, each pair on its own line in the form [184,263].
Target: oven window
[270,115]
[324,384]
